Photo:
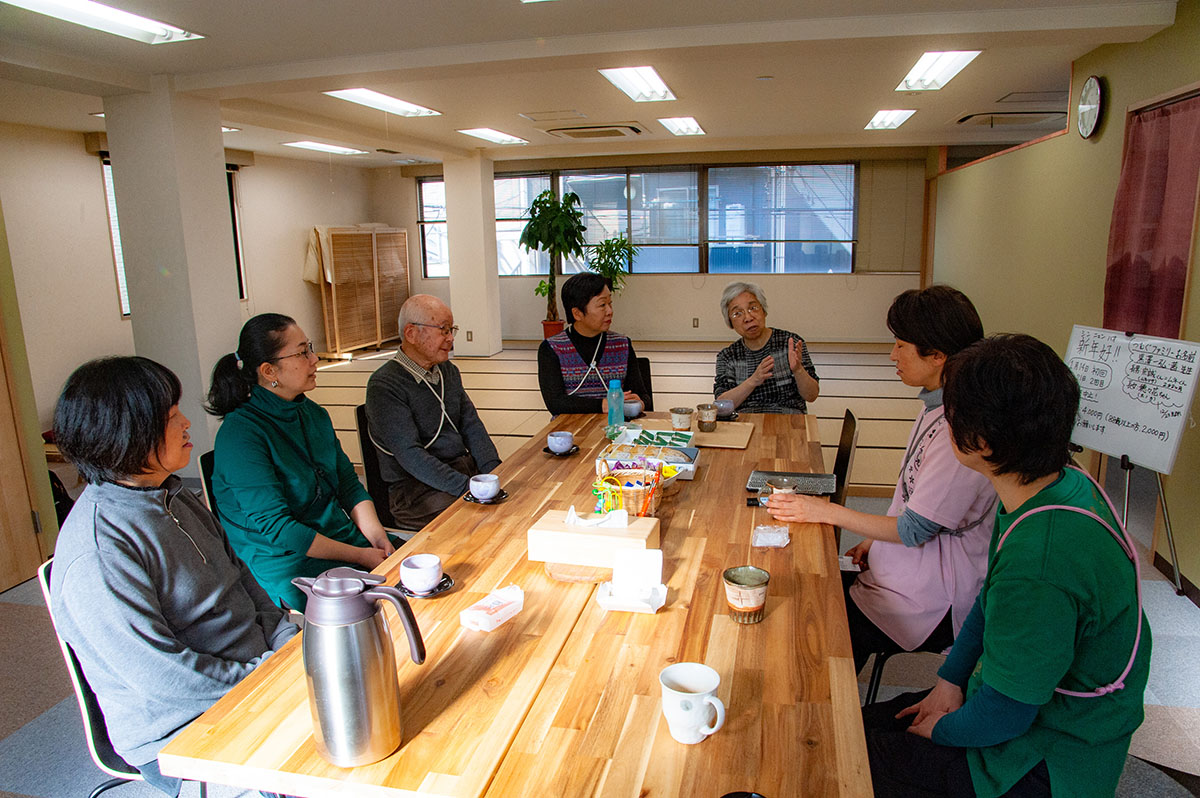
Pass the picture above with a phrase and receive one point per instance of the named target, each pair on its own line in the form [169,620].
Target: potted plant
[612,258]
[555,227]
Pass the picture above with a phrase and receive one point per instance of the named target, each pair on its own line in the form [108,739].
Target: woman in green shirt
[1043,688]
[286,493]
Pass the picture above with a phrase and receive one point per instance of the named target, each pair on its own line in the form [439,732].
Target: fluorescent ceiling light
[494,136]
[934,70]
[382,102]
[105,18]
[683,126]
[230,129]
[97,114]
[319,147]
[535,1]
[888,120]
[642,84]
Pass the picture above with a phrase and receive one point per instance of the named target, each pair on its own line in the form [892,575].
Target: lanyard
[591,367]
[440,395]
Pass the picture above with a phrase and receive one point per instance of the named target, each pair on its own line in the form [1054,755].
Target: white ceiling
[832,64]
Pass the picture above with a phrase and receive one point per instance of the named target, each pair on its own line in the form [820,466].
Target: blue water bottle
[616,403]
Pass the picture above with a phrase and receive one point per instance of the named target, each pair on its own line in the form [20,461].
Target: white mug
[689,690]
[421,573]
[485,486]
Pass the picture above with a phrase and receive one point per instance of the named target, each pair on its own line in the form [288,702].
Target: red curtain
[1153,216]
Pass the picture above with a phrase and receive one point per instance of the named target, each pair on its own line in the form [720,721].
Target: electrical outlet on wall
[470,336]
[695,321]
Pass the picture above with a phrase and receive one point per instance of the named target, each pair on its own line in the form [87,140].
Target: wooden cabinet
[364,284]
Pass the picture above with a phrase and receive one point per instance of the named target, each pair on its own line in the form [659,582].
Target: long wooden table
[564,700]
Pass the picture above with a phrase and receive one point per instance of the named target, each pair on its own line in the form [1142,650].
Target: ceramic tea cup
[689,701]
[421,573]
[633,409]
[485,486]
[724,407]
[706,417]
[746,592]
[559,442]
[681,418]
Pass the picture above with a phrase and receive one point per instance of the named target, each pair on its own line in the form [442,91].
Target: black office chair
[206,474]
[376,487]
[643,364]
[843,462]
[94,731]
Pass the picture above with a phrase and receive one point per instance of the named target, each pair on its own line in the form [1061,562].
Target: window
[656,210]
[114,231]
[781,219]
[774,219]
[514,195]
[235,218]
[432,223]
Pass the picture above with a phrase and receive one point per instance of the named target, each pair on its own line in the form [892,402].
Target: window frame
[703,184]
[114,232]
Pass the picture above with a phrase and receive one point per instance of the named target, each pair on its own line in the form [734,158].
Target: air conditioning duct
[621,130]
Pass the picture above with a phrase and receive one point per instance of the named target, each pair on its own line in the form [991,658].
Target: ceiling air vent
[1051,120]
[623,130]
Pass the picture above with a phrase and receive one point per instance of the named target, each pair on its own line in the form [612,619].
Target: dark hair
[579,289]
[236,373]
[935,319]
[112,416]
[1014,395]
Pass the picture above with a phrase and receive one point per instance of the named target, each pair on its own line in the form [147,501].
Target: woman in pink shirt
[923,562]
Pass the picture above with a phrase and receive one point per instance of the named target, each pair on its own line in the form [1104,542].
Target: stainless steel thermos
[350,664]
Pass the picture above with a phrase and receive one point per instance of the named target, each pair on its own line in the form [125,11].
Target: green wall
[1025,234]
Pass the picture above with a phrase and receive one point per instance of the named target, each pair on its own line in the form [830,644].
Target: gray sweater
[161,613]
[403,415]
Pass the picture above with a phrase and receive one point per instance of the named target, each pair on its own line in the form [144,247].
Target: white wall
[281,200]
[394,201]
[660,307]
[53,196]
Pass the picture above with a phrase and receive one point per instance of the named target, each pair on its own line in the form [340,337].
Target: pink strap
[1126,543]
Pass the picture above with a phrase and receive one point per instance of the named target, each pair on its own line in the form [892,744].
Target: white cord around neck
[591,366]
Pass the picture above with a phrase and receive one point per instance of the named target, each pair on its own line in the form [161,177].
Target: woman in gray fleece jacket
[145,588]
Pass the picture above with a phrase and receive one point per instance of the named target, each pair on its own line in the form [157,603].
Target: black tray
[573,450]
[442,586]
[499,497]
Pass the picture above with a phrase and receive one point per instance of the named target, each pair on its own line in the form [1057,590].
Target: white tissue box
[552,539]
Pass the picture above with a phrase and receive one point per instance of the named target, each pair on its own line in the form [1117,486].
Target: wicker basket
[633,498]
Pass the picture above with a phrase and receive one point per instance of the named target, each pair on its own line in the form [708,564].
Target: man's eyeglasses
[305,352]
[755,309]
[444,330]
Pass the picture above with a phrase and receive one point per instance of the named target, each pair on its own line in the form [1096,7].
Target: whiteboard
[1135,393]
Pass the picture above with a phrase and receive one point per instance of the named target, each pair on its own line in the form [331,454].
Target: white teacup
[633,409]
[485,486]
[689,698]
[560,442]
[421,573]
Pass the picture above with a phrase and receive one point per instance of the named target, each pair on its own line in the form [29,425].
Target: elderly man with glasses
[430,438]
[768,370]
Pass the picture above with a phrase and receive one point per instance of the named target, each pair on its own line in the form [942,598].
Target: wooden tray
[728,434]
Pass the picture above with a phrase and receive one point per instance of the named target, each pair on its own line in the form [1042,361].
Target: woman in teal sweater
[286,493]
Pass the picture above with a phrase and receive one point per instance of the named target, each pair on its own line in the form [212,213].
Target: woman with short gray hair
[768,370]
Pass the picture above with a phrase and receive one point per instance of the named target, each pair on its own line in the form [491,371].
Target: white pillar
[177,238]
[471,234]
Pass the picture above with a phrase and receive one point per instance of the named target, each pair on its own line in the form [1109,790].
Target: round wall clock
[1088,112]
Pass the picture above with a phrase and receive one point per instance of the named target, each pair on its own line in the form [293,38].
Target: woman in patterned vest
[575,366]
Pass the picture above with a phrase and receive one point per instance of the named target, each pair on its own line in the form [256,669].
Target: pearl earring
[274,383]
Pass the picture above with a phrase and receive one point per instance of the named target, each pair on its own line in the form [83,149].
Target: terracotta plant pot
[550,328]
